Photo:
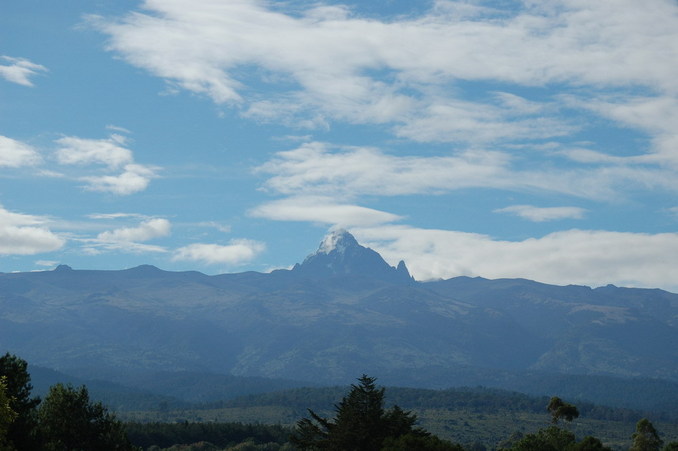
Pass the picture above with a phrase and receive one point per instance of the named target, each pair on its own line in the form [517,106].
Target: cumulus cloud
[147,230]
[81,151]
[19,70]
[14,154]
[322,210]
[587,257]
[128,177]
[129,239]
[541,214]
[237,252]
[22,234]
[134,178]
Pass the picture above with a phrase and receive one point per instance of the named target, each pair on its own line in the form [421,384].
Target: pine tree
[21,432]
[646,437]
[361,422]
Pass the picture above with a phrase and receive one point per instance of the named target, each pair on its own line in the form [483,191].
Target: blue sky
[496,139]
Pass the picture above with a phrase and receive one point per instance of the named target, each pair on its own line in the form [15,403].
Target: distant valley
[340,313]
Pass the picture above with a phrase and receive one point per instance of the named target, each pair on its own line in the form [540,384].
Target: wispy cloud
[541,214]
[114,215]
[14,154]
[237,252]
[432,79]
[321,169]
[19,70]
[334,59]
[322,210]
[223,228]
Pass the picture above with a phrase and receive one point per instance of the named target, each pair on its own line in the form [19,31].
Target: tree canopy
[362,424]
[646,437]
[21,432]
[7,415]
[68,420]
[559,409]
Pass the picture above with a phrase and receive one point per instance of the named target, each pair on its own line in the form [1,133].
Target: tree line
[67,420]
[362,424]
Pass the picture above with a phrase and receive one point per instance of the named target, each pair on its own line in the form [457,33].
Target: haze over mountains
[340,313]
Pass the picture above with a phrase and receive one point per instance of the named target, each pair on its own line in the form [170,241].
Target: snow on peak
[337,240]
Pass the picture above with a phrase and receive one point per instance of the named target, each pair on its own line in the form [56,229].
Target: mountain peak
[340,254]
[337,240]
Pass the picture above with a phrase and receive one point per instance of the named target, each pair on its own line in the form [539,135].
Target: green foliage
[409,442]
[590,443]
[21,432]
[7,415]
[646,437]
[222,435]
[561,410]
[552,438]
[672,446]
[360,423]
[68,420]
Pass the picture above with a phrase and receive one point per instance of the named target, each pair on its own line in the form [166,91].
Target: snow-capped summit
[340,254]
[337,240]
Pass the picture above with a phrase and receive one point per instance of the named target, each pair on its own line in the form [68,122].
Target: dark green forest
[363,416]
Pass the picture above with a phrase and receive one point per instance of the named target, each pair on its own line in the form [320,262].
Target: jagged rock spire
[340,254]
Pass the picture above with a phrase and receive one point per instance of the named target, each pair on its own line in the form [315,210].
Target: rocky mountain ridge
[340,313]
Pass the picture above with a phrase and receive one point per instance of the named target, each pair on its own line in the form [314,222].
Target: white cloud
[239,251]
[145,231]
[316,168]
[117,128]
[541,214]
[586,257]
[322,210]
[319,169]
[370,71]
[653,115]
[22,234]
[14,154]
[556,63]
[454,120]
[223,228]
[111,153]
[19,70]
[113,215]
[129,239]
[81,151]
[134,178]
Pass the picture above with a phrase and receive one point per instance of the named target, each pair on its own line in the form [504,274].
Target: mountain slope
[340,313]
